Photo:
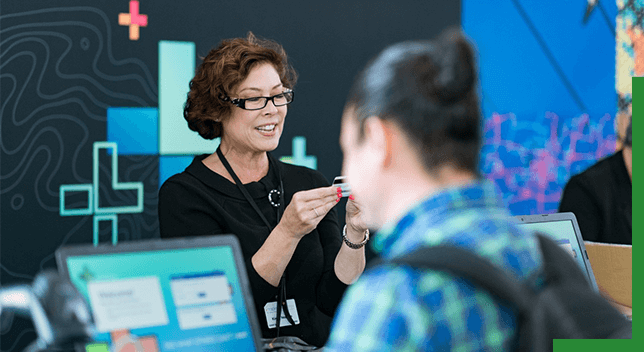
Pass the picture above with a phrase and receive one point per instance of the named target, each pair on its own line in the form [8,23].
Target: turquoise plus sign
[299,155]
[94,208]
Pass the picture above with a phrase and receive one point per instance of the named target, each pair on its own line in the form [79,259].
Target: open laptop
[563,228]
[165,295]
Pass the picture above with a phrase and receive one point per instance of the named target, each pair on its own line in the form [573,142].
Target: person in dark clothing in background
[602,197]
[283,214]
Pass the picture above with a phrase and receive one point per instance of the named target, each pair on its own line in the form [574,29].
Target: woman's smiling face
[256,130]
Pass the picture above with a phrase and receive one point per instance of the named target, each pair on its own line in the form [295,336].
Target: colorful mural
[629,56]
[549,90]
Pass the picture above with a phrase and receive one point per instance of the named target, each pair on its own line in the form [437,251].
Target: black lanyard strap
[243,189]
[282,285]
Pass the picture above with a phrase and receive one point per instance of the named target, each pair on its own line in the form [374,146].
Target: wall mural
[548,91]
[59,76]
[92,97]
[531,161]
[630,54]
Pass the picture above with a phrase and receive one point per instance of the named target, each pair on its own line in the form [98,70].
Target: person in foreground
[411,139]
[283,214]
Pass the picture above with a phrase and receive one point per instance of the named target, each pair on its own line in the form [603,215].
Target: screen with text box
[166,300]
[563,232]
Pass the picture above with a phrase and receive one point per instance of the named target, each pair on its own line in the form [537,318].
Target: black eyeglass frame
[241,103]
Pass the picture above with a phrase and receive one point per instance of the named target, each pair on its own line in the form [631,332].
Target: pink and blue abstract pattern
[549,73]
[530,160]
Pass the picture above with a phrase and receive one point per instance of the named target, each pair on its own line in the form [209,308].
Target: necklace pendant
[274,193]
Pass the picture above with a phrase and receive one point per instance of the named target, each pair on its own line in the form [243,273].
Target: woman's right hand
[307,209]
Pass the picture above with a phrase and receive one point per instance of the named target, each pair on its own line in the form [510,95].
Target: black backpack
[566,307]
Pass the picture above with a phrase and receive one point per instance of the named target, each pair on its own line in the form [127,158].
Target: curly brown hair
[221,71]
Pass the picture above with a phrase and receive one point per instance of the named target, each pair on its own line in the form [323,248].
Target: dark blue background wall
[65,63]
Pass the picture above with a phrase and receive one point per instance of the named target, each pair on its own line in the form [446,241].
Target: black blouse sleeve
[578,199]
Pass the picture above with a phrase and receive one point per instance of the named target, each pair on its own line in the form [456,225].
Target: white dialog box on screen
[210,315]
[203,300]
[127,303]
[200,289]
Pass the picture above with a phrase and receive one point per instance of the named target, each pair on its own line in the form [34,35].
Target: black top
[199,201]
[602,200]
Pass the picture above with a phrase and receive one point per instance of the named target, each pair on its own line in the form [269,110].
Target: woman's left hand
[354,219]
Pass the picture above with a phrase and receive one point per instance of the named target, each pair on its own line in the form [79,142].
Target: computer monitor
[165,295]
[563,228]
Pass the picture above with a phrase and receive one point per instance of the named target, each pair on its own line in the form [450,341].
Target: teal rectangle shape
[76,188]
[177,61]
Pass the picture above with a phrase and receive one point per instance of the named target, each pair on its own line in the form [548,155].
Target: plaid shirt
[397,308]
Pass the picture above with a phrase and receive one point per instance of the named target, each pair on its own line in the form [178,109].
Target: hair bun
[455,66]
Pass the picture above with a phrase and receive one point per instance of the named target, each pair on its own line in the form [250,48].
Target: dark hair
[221,71]
[428,88]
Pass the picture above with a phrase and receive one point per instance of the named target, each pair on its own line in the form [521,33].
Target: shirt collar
[257,189]
[430,211]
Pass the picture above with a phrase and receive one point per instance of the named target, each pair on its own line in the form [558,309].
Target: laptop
[563,228]
[189,294]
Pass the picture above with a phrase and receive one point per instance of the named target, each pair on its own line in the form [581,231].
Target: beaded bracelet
[354,245]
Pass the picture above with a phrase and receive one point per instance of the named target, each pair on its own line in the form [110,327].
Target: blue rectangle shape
[135,130]
[170,165]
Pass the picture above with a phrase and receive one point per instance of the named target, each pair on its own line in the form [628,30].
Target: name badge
[270,310]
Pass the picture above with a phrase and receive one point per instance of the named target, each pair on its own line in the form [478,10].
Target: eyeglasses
[258,103]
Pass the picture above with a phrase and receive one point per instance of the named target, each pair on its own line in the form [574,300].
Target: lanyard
[282,285]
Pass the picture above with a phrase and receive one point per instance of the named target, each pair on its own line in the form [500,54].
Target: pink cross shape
[133,19]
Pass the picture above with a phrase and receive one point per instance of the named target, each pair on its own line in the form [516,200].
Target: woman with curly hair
[284,216]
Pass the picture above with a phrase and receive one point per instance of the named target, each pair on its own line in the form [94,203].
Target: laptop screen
[561,231]
[180,299]
[563,228]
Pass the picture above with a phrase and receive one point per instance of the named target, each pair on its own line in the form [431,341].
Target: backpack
[566,307]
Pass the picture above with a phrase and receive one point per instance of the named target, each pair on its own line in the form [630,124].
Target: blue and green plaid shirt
[397,308]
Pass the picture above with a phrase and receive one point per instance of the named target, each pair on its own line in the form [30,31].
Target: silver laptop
[165,295]
[563,228]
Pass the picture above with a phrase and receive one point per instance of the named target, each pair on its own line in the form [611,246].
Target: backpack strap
[587,314]
[568,304]
[461,262]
